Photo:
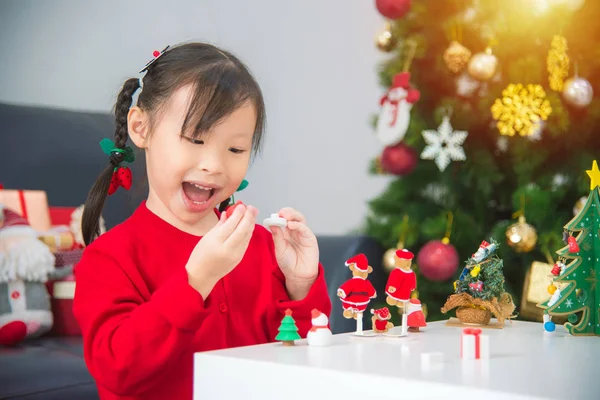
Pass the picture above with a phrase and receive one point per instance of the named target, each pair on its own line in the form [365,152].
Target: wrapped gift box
[68,257]
[30,204]
[62,293]
[59,238]
[474,345]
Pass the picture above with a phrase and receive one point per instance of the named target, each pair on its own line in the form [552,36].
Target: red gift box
[62,293]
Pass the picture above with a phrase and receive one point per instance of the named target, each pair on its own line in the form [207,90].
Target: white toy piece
[275,220]
[396,105]
[319,334]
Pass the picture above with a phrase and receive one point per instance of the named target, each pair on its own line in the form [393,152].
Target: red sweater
[142,322]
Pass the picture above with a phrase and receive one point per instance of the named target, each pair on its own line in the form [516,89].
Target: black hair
[222,84]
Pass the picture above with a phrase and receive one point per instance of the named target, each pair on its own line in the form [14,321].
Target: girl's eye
[236,151]
[195,141]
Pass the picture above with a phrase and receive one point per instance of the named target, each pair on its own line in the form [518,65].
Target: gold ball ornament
[389,260]
[551,289]
[579,205]
[385,40]
[578,92]
[521,236]
[482,66]
[456,56]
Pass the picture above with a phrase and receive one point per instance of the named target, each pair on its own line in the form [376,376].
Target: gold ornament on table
[385,39]
[520,109]
[578,92]
[536,289]
[482,66]
[389,257]
[557,63]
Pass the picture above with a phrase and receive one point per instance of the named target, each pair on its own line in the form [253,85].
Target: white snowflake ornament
[444,145]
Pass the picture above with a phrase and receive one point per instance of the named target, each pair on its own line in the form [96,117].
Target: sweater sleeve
[317,298]
[128,339]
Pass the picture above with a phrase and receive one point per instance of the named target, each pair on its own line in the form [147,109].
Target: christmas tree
[575,290]
[288,331]
[479,291]
[490,117]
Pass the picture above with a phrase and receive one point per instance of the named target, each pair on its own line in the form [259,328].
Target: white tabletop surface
[525,363]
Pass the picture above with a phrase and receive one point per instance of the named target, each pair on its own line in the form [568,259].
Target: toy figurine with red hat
[401,283]
[402,280]
[416,318]
[381,320]
[357,292]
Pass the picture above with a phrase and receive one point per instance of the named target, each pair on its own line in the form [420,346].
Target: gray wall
[315,60]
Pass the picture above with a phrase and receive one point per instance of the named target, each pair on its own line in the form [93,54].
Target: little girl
[181,275]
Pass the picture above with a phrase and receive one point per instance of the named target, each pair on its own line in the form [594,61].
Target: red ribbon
[475,332]
[23,204]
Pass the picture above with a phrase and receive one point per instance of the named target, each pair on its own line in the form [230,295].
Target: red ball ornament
[437,261]
[399,159]
[393,9]
[156,53]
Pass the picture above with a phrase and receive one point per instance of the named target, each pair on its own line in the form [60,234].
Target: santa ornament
[395,112]
[25,263]
[401,283]
[357,292]
[381,320]
[415,316]
[319,333]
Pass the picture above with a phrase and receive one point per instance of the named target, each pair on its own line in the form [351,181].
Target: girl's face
[189,177]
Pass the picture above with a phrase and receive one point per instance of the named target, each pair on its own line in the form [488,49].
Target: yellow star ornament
[594,175]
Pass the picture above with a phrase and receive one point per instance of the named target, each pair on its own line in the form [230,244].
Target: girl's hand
[297,253]
[221,249]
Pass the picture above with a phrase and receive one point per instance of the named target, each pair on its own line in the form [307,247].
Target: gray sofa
[41,148]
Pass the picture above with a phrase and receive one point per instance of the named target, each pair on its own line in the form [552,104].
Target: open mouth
[198,194]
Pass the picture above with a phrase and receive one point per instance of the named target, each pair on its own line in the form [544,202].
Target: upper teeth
[201,187]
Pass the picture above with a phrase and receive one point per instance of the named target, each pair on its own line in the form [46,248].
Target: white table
[525,363]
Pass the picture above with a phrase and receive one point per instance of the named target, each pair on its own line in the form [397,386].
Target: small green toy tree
[576,290]
[288,331]
[479,291]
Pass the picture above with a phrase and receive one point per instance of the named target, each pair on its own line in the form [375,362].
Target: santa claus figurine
[357,292]
[381,320]
[416,318]
[402,280]
[25,263]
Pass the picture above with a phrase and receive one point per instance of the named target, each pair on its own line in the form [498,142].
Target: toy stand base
[364,334]
[395,335]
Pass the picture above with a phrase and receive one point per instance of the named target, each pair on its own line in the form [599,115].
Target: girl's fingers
[244,229]
[303,230]
[292,215]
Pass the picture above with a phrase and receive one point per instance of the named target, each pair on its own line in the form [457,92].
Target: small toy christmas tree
[576,293]
[479,291]
[288,331]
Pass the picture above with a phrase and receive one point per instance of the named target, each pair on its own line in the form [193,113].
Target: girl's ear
[138,126]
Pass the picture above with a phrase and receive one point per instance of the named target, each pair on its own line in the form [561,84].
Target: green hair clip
[108,147]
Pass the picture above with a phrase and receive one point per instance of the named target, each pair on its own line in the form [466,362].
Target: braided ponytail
[90,226]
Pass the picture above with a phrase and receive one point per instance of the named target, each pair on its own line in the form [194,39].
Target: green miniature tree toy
[479,291]
[575,290]
[288,331]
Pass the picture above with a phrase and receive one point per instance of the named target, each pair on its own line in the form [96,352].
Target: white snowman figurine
[396,105]
[319,334]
